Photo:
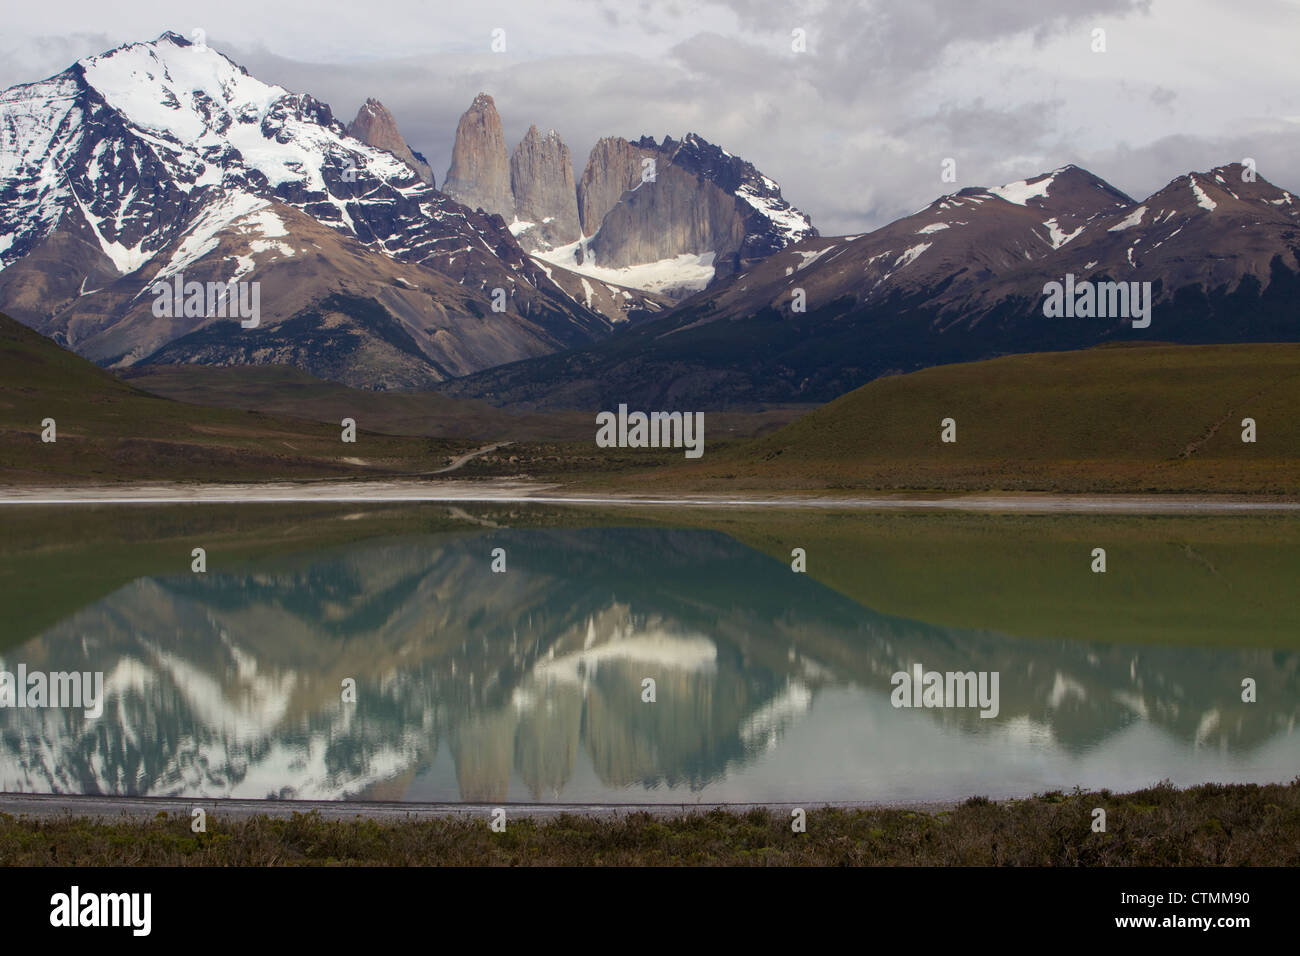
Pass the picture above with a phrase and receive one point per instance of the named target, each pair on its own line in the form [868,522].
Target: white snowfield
[685,272]
[808,258]
[203,236]
[1021,192]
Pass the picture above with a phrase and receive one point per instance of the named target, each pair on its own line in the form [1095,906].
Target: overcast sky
[854,128]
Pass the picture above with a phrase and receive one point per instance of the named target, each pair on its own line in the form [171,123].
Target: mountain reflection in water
[527,686]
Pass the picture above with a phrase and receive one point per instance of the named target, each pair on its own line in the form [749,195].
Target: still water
[530,684]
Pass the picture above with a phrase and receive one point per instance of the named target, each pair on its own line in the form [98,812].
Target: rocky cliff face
[770,223]
[674,214]
[700,200]
[614,167]
[375,126]
[667,217]
[479,175]
[546,204]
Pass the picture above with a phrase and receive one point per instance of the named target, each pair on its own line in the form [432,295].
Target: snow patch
[205,234]
[1021,192]
[790,223]
[1202,200]
[1058,236]
[909,255]
[1132,219]
[810,257]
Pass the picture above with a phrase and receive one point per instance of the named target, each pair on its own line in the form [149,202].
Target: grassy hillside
[1153,418]
[110,430]
[285,391]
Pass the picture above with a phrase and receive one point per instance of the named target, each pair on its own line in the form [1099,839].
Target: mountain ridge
[634,216]
[960,280]
[148,160]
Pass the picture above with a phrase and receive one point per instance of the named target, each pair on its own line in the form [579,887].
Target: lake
[373,653]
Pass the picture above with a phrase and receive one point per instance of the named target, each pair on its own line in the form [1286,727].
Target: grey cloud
[853,129]
[38,57]
[1163,96]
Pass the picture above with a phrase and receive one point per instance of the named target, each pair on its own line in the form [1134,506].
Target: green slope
[1137,419]
[285,391]
[109,430]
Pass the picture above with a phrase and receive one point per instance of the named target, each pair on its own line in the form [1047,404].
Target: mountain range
[166,159]
[669,272]
[708,215]
[960,280]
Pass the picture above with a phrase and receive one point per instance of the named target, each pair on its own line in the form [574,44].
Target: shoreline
[1207,825]
[513,491]
[61,806]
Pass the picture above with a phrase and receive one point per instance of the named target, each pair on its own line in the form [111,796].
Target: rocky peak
[613,167]
[541,178]
[703,201]
[1226,194]
[375,126]
[698,212]
[479,175]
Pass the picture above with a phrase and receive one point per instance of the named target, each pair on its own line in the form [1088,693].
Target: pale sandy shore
[147,808]
[512,491]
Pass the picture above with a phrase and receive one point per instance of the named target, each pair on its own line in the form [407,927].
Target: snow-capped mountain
[960,280]
[955,246]
[167,158]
